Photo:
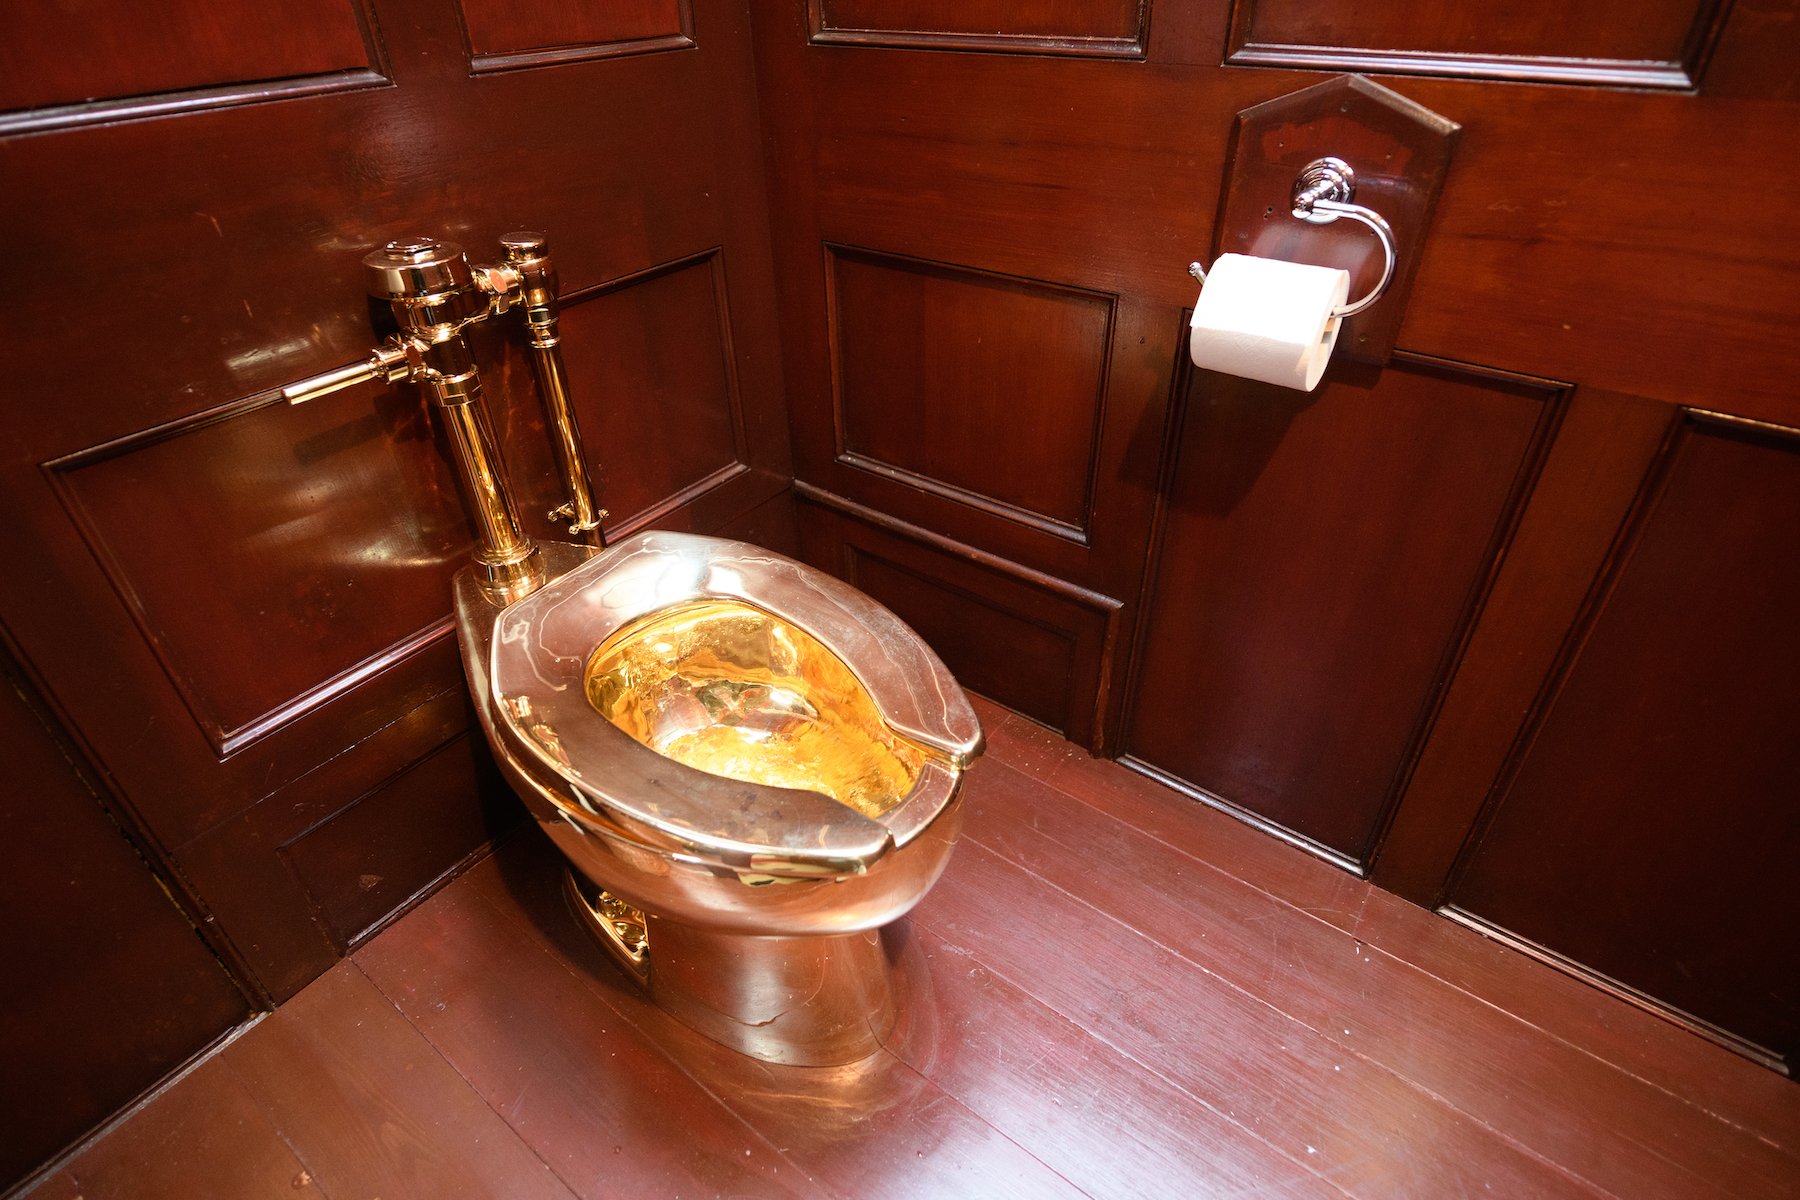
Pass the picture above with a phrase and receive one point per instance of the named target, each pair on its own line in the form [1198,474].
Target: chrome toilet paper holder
[1322,193]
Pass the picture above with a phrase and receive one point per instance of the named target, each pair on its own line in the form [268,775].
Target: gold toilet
[751,766]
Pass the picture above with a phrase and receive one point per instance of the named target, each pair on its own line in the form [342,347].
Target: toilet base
[816,1001]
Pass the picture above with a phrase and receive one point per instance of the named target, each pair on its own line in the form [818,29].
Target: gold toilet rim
[537,674]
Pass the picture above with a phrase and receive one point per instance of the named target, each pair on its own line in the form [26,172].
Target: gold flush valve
[435,294]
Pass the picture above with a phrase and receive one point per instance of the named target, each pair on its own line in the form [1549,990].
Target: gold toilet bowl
[750,766]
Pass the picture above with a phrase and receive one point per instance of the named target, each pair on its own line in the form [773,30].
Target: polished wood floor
[1113,991]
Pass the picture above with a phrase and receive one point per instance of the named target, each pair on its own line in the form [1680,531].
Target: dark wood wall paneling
[109,986]
[58,66]
[230,603]
[504,37]
[1322,559]
[1671,717]
[1086,27]
[656,375]
[934,367]
[1059,640]
[240,608]
[1620,42]
[1353,595]
[50,57]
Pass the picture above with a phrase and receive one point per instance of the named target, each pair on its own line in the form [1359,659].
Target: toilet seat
[536,680]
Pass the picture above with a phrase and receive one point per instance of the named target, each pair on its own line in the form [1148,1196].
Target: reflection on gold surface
[620,928]
[731,690]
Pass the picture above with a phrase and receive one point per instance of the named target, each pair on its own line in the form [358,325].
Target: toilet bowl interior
[729,704]
[728,688]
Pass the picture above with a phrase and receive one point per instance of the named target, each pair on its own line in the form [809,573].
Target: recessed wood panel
[1321,557]
[242,614]
[61,54]
[1034,643]
[1103,27]
[383,850]
[87,923]
[287,884]
[980,387]
[273,555]
[503,35]
[656,393]
[1626,42]
[1040,663]
[1665,753]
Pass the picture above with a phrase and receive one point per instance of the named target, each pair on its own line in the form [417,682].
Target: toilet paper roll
[1263,318]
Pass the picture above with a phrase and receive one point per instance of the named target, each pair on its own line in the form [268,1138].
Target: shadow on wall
[1229,430]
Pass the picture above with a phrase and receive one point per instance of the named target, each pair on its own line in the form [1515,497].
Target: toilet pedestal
[813,1001]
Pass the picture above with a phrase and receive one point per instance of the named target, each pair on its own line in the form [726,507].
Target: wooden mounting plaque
[1400,152]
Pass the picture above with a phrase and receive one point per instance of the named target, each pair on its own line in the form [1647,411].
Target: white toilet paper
[1263,318]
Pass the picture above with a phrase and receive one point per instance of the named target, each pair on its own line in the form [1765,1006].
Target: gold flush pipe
[528,254]
[435,295]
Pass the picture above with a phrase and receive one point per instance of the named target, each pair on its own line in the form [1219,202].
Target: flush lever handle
[387,362]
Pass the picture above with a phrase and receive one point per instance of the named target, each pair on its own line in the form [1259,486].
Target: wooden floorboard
[372,1109]
[1707,1076]
[1114,991]
[1597,1122]
[204,1138]
[875,1130]
[605,1108]
[1360,1126]
[1097,1116]
[1305,882]
[1727,1085]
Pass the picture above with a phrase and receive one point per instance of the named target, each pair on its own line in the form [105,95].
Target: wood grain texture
[206,1138]
[1754,53]
[270,911]
[1620,43]
[1708,583]
[1308,883]
[603,1117]
[1640,1043]
[1044,185]
[504,35]
[1004,378]
[1321,560]
[372,1109]
[316,564]
[272,569]
[1593,1120]
[84,915]
[770,524]
[52,55]
[875,1129]
[652,367]
[1399,152]
[1040,644]
[1091,27]
[390,846]
[1346,1118]
[1110,179]
[1113,992]
[235,236]
[1584,491]
[1065,1098]
[1666,1088]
